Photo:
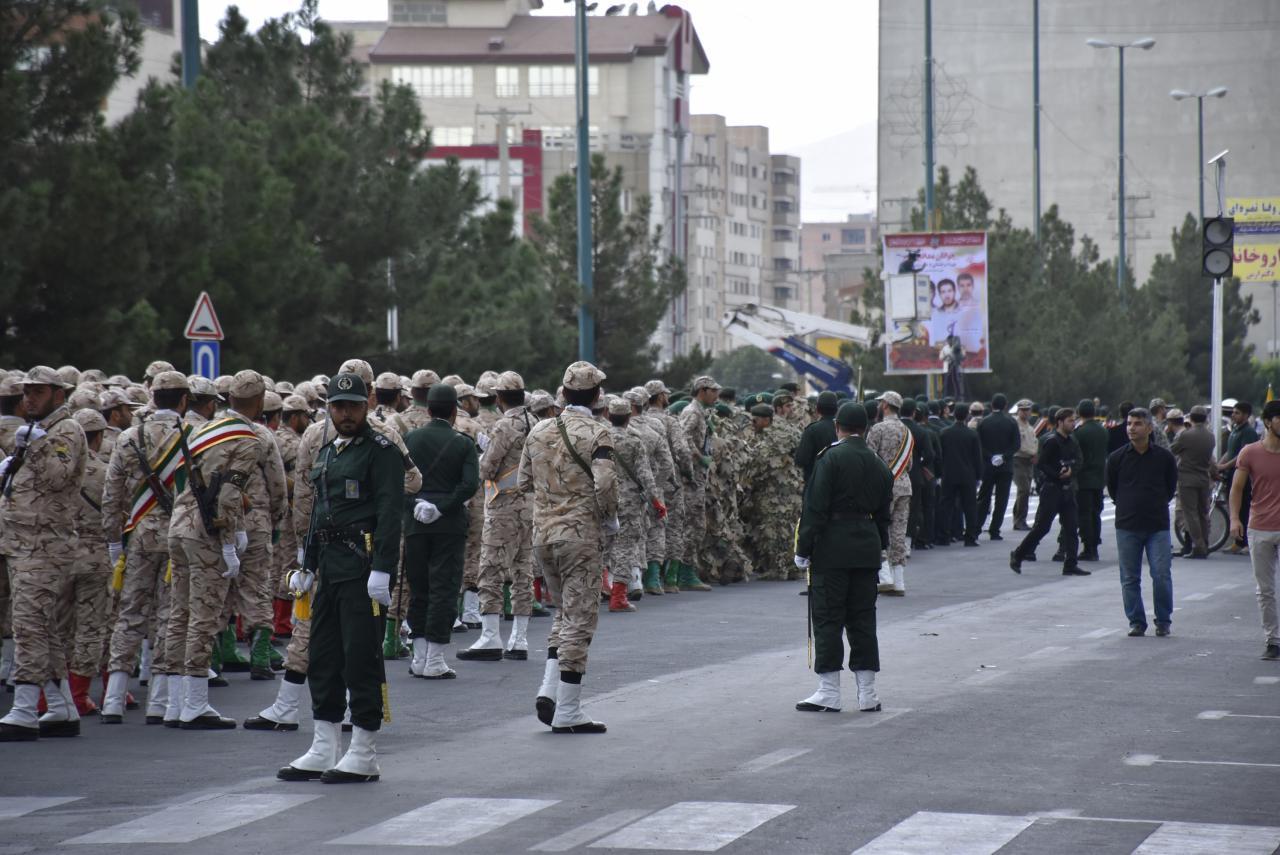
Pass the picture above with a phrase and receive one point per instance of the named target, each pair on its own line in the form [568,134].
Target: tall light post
[1181,94]
[586,278]
[1145,44]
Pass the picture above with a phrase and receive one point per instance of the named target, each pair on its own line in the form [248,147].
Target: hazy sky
[804,68]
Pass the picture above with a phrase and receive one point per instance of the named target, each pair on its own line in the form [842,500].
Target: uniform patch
[352,489]
[381,440]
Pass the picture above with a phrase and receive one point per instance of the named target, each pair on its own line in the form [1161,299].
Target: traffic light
[1217,248]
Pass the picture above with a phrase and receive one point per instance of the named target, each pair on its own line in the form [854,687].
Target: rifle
[19,457]
[163,499]
[204,492]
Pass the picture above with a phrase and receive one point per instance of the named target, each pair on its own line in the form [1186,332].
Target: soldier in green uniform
[353,548]
[843,528]
[436,530]
[818,434]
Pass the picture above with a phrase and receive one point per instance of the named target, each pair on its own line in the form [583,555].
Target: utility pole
[503,116]
[190,42]
[928,115]
[1216,357]
[586,323]
[1035,97]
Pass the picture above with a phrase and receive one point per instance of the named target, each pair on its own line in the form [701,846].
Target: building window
[418,12]
[782,206]
[782,294]
[453,136]
[782,264]
[826,237]
[507,83]
[858,236]
[557,81]
[783,235]
[439,81]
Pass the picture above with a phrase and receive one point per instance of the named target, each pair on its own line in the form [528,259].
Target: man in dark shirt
[1000,439]
[961,465]
[817,435]
[1242,434]
[1059,460]
[1091,436]
[1142,479]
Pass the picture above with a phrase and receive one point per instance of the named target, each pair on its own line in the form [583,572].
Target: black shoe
[1021,527]
[1137,630]
[218,682]
[130,704]
[585,727]
[1271,653]
[447,675]
[941,542]
[518,655]
[805,592]
[172,722]
[970,542]
[260,723]
[994,535]
[257,672]
[1031,558]
[1015,563]
[805,706]
[154,719]
[1162,631]
[470,625]
[1075,571]
[336,776]
[346,727]
[111,718]
[1059,556]
[289,773]
[209,721]
[546,709]
[634,596]
[1089,556]
[487,654]
[59,728]
[462,627]
[17,733]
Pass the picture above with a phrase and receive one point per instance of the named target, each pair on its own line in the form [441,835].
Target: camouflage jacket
[89,518]
[885,438]
[386,419]
[631,459]
[288,441]
[681,460]
[570,502]
[659,454]
[46,490]
[233,461]
[124,477]
[267,492]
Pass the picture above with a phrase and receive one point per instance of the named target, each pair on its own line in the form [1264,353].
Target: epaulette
[824,450]
[381,440]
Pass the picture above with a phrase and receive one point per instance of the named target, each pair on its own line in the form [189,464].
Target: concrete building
[833,256]
[161,40]
[983,94]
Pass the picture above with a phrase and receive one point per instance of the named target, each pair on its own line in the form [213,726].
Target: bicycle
[1219,520]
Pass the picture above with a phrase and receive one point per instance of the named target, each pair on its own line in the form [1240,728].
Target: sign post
[205,333]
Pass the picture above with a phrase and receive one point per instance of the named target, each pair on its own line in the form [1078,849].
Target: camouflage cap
[70,375]
[508,381]
[223,384]
[705,382]
[296,404]
[85,395]
[170,380]
[307,389]
[119,380]
[355,366]
[43,375]
[246,384]
[1156,403]
[90,420]
[1199,411]
[581,376]
[1174,415]
[10,386]
[617,405]
[893,399]
[321,382]
[387,381]
[112,398]
[284,387]
[97,375]
[540,402]
[348,387]
[425,378]
[406,384]
[1024,404]
[465,390]
[654,388]
[452,379]
[271,402]
[269,383]
[138,395]
[484,385]
[637,397]
[156,367]
[203,387]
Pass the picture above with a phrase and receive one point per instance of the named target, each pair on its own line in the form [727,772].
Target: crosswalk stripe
[1188,838]
[575,837]
[926,833]
[12,807]
[446,822]
[194,820]
[693,826]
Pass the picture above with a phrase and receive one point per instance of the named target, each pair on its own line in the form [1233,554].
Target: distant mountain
[838,175]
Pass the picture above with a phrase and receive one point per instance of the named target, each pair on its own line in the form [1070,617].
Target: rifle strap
[97,507]
[631,472]
[573,452]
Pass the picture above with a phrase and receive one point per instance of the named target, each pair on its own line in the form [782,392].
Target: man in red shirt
[1259,464]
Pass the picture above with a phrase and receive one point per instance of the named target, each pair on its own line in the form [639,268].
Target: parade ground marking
[446,822]
[194,820]
[693,826]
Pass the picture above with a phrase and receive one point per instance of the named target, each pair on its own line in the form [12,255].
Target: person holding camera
[1059,460]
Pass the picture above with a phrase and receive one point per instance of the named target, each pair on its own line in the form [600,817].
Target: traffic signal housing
[1218,246]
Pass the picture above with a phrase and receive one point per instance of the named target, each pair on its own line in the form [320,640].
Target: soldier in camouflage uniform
[892,440]
[38,511]
[652,434]
[10,421]
[768,511]
[467,424]
[726,560]
[667,425]
[695,421]
[638,500]
[567,468]
[295,416]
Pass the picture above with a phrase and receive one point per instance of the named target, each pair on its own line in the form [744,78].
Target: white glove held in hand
[230,559]
[4,465]
[802,562]
[612,526]
[302,556]
[114,551]
[28,434]
[242,542]
[380,587]
[425,512]
[300,581]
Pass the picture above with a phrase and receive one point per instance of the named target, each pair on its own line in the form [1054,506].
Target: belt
[341,534]
[852,515]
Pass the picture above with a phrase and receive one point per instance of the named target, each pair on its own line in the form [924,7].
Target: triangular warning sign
[203,323]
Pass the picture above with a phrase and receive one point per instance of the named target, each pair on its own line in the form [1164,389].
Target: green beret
[852,416]
[783,395]
[442,393]
[791,387]
[828,399]
[676,408]
[870,408]
[762,411]
[724,410]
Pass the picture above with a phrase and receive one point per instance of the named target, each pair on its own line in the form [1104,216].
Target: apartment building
[833,256]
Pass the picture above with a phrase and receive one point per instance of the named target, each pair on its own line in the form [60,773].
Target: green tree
[749,369]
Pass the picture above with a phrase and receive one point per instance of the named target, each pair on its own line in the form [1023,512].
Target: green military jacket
[1092,438]
[845,521]
[817,436]
[359,491]
[450,475]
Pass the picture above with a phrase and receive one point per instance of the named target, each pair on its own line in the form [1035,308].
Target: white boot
[518,643]
[827,698]
[886,577]
[157,698]
[569,717]
[470,608]
[173,704]
[868,700]
[113,700]
[899,580]
[635,584]
[144,665]
[26,698]
[6,660]
[488,647]
[196,712]
[62,718]
[360,763]
[435,666]
[419,660]
[281,715]
[326,744]
[545,703]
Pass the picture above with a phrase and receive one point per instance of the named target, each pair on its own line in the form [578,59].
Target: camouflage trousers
[693,526]
[6,602]
[673,526]
[284,560]
[655,537]
[723,556]
[475,535]
[84,607]
[297,654]
[901,515]
[400,593]
[143,609]
[572,571]
[625,551]
[506,555]
[38,570]
[198,596]
[250,592]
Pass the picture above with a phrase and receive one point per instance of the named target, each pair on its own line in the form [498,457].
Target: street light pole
[190,12]
[1035,97]
[586,279]
[928,115]
[1181,94]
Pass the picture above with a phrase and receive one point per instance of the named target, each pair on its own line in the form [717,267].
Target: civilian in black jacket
[1000,442]
[961,465]
[1059,460]
[921,462]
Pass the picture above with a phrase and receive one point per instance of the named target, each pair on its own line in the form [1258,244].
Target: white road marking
[1152,759]
[1051,650]
[773,758]
[1218,715]
[194,820]
[1195,598]
[693,826]
[1187,838]
[12,807]
[446,822]
[1100,633]
[584,834]
[1265,681]
[1226,586]
[857,718]
[927,833]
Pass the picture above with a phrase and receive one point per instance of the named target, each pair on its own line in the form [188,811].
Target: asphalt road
[1018,718]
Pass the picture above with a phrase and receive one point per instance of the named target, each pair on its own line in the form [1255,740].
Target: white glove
[4,465]
[114,551]
[230,559]
[997,460]
[802,562]
[380,587]
[425,512]
[302,556]
[612,526]
[300,581]
[242,542]
[482,440]
[28,434]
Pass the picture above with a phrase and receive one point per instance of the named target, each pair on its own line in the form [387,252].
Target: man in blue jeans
[1142,479]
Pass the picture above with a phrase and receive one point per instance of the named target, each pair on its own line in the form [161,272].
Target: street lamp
[1181,94]
[1145,44]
